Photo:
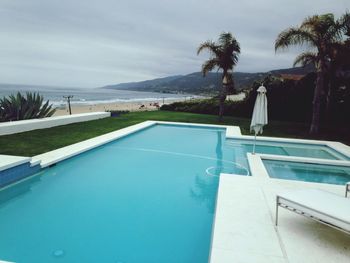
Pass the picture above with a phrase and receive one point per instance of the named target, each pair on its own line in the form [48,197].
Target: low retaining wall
[34,124]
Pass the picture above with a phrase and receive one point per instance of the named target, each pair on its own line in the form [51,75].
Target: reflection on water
[18,190]
[218,151]
[206,185]
[203,190]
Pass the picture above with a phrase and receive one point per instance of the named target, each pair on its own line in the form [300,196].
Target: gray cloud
[93,43]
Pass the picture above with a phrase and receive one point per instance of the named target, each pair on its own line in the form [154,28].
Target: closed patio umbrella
[259,118]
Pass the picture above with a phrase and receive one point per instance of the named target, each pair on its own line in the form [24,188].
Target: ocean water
[89,96]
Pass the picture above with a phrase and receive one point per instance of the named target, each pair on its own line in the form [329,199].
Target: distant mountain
[146,85]
[294,71]
[195,83]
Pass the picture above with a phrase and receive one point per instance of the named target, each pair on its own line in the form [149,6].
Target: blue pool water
[144,198]
[290,149]
[308,172]
[148,197]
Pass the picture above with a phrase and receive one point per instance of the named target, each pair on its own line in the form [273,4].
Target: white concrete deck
[9,161]
[244,229]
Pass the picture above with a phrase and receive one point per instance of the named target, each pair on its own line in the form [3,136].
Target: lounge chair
[321,206]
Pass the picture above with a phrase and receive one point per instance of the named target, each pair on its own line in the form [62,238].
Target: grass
[39,141]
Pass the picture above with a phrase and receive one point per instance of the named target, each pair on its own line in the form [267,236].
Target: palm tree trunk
[329,104]
[222,97]
[317,101]
[329,97]
[222,103]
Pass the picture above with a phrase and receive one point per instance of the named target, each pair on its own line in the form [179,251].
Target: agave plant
[19,107]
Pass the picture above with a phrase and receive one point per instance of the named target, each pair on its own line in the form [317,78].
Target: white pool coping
[237,232]
[52,157]
[337,146]
[9,161]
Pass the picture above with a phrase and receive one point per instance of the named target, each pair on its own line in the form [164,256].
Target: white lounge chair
[322,206]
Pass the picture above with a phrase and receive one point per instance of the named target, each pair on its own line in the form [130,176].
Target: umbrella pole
[254,143]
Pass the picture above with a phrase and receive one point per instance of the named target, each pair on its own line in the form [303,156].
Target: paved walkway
[244,230]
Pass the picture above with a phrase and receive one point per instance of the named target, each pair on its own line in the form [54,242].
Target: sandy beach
[127,106]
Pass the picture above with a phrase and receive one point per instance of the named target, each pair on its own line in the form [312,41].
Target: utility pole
[68,99]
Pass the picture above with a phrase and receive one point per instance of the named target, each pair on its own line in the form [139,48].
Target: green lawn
[39,141]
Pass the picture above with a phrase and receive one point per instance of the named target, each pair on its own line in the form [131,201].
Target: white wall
[34,124]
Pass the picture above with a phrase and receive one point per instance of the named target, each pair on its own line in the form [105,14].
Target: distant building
[292,76]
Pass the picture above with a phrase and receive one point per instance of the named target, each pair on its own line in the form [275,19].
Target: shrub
[19,107]
[117,113]
[206,106]
[288,100]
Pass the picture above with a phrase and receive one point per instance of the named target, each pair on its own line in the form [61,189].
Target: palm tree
[223,56]
[339,61]
[319,33]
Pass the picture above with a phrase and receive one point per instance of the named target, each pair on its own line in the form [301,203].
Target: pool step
[15,168]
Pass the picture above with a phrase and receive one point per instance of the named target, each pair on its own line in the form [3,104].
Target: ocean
[89,96]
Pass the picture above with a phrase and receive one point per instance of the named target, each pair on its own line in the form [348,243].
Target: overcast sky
[91,43]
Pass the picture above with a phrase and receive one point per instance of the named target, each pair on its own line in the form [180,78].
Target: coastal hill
[195,83]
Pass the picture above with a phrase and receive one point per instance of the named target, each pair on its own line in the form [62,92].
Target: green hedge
[204,106]
[288,100]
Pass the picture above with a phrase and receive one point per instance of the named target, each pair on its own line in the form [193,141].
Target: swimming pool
[147,197]
[307,172]
[144,198]
[289,149]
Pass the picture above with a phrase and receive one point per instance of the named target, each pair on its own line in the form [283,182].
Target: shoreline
[145,105]
[136,105]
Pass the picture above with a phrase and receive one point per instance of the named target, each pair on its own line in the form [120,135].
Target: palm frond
[232,53]
[294,36]
[324,27]
[332,29]
[345,23]
[225,39]
[235,46]
[209,65]
[317,21]
[209,46]
[305,58]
